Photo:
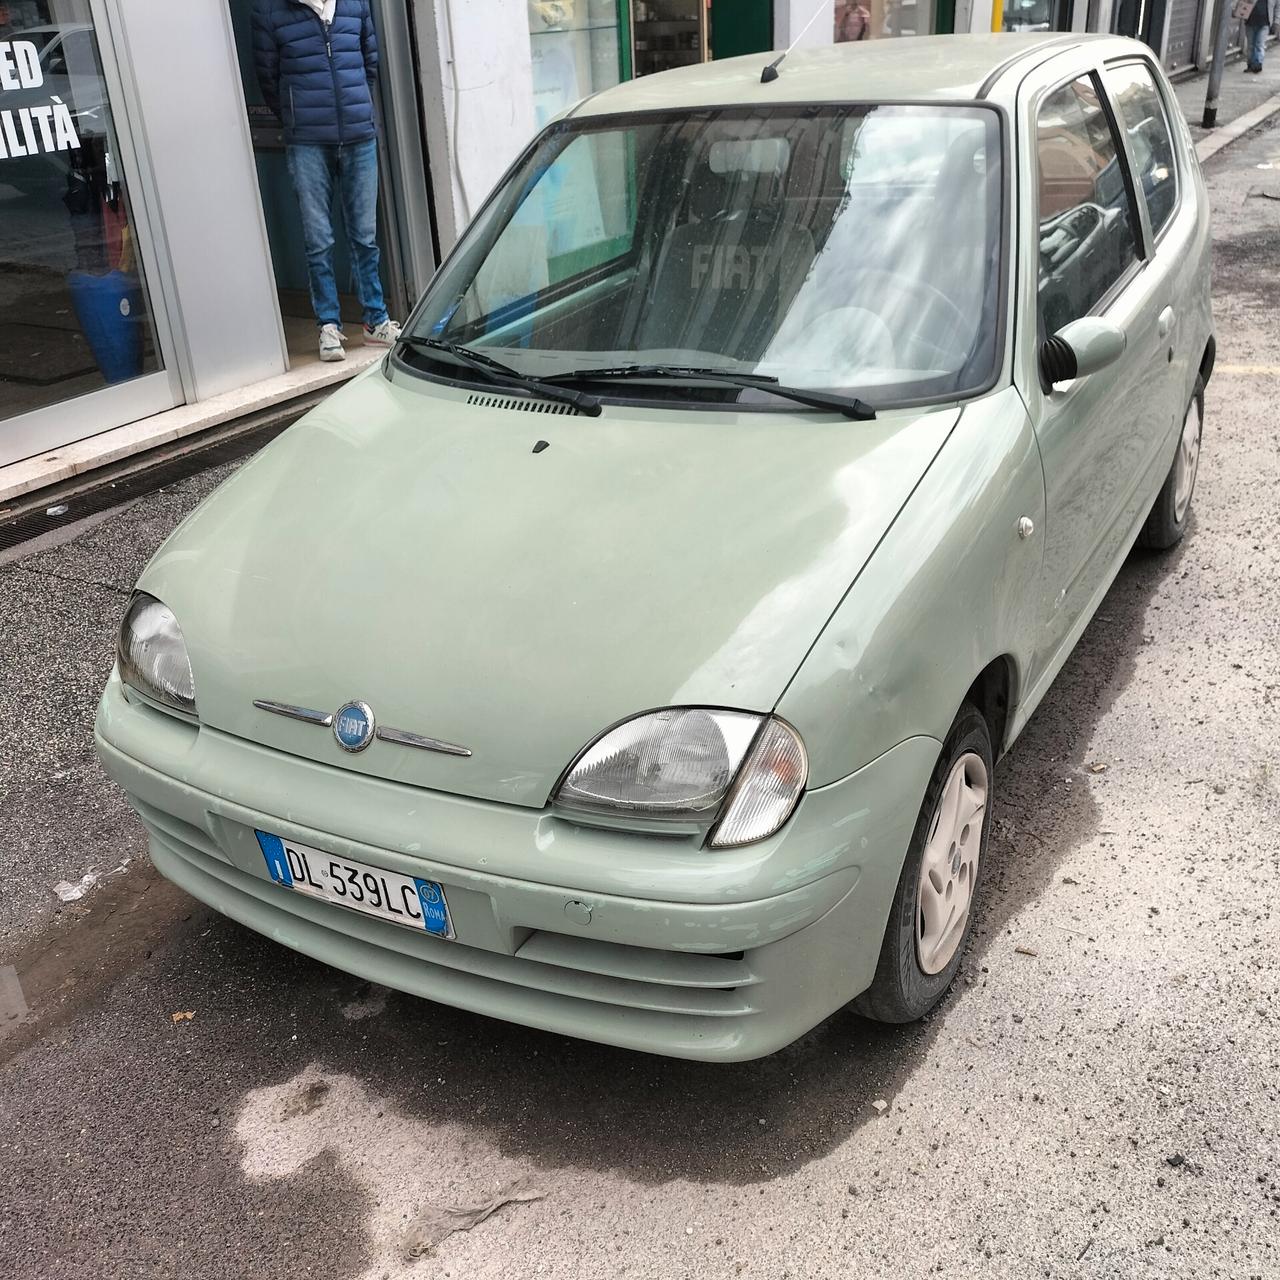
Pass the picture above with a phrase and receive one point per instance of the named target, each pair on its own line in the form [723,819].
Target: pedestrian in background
[317,63]
[852,21]
[1257,22]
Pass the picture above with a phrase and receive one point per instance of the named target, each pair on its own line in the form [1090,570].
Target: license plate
[403,900]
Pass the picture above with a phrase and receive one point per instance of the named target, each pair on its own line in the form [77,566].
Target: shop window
[1142,113]
[574,45]
[73,303]
[1087,225]
[668,33]
[1037,15]
[873,19]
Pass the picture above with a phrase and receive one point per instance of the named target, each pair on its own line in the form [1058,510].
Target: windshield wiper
[850,406]
[504,374]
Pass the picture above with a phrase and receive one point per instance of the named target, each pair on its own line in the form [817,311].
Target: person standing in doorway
[317,63]
[1256,26]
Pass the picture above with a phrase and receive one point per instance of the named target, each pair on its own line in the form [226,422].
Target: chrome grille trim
[423,743]
[323,718]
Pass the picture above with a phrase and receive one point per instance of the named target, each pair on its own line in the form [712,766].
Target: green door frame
[624,39]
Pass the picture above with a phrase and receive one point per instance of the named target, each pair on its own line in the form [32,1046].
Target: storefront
[150,252]
[84,334]
[576,48]
[879,19]
[582,46]
[150,249]
[404,232]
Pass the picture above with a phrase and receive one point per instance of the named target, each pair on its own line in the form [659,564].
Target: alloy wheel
[949,866]
[1188,461]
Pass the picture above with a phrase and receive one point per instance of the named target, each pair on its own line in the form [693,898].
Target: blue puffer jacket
[320,83]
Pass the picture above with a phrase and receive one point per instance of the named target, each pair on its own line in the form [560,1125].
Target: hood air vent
[521,404]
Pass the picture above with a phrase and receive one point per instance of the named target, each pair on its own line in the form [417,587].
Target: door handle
[1165,322]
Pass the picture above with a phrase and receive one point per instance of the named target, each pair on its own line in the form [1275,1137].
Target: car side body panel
[1104,464]
[952,587]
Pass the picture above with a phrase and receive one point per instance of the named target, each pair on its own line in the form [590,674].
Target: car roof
[948,68]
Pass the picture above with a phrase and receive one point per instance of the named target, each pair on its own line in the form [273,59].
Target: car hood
[405,548]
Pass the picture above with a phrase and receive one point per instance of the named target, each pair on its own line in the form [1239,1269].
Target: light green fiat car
[628,654]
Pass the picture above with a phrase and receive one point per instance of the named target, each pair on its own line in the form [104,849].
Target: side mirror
[1083,346]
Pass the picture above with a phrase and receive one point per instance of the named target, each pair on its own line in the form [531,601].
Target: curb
[1226,134]
[48,508]
[199,418]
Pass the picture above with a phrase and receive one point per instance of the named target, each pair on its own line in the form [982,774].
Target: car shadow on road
[554,1101]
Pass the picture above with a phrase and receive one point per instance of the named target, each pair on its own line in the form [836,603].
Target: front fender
[950,587]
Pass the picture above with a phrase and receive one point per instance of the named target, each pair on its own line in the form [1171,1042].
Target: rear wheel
[1168,519]
[932,913]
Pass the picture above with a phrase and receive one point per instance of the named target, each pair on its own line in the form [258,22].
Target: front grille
[521,404]
[582,969]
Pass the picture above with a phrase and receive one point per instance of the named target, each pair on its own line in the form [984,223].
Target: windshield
[852,249]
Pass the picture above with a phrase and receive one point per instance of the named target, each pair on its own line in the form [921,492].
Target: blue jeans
[1257,44]
[353,169]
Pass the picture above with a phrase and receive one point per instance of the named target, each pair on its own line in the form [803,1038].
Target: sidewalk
[28,480]
[1241,101]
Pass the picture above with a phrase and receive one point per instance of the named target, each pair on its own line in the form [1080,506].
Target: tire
[1172,510]
[917,963]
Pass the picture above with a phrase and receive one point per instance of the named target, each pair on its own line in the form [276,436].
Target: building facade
[150,252]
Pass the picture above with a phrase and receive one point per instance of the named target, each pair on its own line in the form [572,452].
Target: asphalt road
[1098,1095]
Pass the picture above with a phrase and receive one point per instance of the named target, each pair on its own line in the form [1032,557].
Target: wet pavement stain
[88,946]
[13,1002]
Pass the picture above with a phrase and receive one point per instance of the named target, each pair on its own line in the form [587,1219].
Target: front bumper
[712,955]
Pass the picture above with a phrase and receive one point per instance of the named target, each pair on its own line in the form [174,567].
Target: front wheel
[932,913]
[1168,519]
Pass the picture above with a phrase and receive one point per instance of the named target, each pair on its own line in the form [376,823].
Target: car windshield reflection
[851,249]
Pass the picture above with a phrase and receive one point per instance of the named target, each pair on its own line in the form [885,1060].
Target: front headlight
[152,655]
[681,763]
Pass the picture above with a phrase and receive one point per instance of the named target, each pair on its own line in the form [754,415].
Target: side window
[1141,112]
[1088,231]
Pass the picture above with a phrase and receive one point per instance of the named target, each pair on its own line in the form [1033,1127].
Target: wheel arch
[993,693]
[1209,355]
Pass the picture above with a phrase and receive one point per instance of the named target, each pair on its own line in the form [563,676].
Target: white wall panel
[193,139]
[477,85]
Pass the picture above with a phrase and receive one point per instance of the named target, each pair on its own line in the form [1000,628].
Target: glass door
[80,346]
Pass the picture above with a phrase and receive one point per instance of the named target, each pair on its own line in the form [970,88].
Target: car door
[1140,108]
[1086,253]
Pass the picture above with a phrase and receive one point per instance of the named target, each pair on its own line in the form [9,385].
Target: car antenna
[770,73]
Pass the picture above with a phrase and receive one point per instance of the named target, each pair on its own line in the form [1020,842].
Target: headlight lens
[681,764]
[676,763]
[152,654]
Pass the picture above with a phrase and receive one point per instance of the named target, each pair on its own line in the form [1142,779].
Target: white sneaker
[386,334]
[331,340]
